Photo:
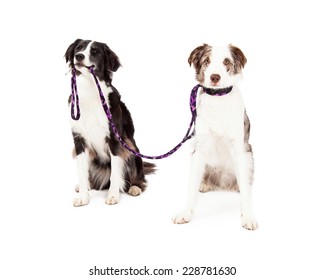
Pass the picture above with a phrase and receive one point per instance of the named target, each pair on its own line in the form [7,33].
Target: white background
[44,237]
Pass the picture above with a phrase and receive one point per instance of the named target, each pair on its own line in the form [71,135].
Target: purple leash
[74,96]
[75,102]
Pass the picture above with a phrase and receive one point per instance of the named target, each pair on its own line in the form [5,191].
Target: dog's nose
[215,78]
[80,57]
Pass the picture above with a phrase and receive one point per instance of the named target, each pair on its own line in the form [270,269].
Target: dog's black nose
[80,57]
[215,78]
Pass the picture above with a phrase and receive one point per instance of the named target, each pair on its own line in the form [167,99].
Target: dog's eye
[206,62]
[94,51]
[226,61]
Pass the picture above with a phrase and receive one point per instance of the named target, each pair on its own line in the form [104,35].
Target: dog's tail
[149,168]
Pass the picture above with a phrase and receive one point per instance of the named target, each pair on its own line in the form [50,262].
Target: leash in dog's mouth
[83,65]
[90,67]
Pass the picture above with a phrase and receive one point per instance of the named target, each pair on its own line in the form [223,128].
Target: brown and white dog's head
[217,67]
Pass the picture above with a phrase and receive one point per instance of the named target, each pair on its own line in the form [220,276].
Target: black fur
[79,143]
[106,62]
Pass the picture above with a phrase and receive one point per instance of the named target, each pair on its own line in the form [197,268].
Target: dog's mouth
[213,85]
[216,85]
[91,66]
[80,64]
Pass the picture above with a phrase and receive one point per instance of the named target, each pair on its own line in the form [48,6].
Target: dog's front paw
[249,222]
[112,199]
[81,200]
[183,217]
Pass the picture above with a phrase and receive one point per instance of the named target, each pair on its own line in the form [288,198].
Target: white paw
[81,200]
[112,199]
[134,190]
[183,217]
[249,222]
[205,188]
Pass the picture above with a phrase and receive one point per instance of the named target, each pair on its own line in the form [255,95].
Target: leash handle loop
[74,97]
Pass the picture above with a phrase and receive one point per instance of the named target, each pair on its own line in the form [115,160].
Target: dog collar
[217,91]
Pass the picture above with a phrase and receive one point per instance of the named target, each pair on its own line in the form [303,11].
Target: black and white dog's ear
[69,54]
[112,62]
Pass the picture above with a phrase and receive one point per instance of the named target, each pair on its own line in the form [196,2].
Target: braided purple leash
[75,99]
[187,136]
[74,96]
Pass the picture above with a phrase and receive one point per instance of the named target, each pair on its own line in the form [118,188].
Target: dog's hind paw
[183,217]
[134,191]
[81,200]
[205,188]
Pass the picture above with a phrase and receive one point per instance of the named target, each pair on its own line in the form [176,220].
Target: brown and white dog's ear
[199,56]
[238,57]
[69,54]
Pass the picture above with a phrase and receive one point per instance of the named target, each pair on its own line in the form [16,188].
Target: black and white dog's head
[82,54]
[217,67]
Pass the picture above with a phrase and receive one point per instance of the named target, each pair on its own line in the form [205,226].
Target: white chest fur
[221,116]
[93,123]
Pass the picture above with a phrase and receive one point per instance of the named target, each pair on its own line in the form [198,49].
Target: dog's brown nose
[215,78]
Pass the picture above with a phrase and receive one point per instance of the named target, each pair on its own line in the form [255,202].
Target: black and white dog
[222,157]
[103,163]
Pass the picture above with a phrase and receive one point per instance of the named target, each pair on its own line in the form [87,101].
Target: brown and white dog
[222,157]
